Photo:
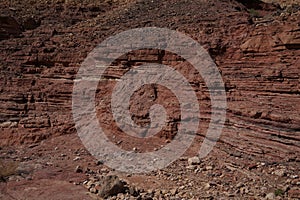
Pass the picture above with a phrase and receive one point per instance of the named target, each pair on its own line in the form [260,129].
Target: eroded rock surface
[255,48]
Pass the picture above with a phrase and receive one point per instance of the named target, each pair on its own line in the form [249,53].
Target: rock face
[258,58]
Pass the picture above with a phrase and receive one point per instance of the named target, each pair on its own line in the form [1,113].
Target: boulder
[9,27]
[111,186]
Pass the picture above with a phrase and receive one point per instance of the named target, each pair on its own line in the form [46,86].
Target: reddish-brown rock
[9,27]
[258,60]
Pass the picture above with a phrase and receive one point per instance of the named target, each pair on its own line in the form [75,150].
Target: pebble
[104,170]
[99,162]
[191,167]
[93,190]
[174,191]
[78,169]
[279,172]
[194,160]
[244,190]
[294,176]
[270,196]
[207,186]
[181,187]
[89,184]
[239,185]
[76,158]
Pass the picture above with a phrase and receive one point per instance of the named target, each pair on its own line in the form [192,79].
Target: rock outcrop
[258,58]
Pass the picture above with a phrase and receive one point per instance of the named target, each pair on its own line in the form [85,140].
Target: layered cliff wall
[257,52]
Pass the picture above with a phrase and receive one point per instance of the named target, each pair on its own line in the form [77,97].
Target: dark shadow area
[258,5]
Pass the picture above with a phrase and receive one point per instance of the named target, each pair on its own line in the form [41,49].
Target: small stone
[197,170]
[288,181]
[270,196]
[157,193]
[239,185]
[132,198]
[121,196]
[280,172]
[97,186]
[78,169]
[32,145]
[104,170]
[174,191]
[15,178]
[183,158]
[285,188]
[99,162]
[252,166]
[12,8]
[181,187]
[194,160]
[164,192]
[244,190]
[294,176]
[133,191]
[76,158]
[209,168]
[119,142]
[89,184]
[230,194]
[93,190]
[150,191]
[206,186]
[88,170]
[191,167]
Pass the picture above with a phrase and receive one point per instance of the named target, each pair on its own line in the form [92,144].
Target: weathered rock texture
[258,59]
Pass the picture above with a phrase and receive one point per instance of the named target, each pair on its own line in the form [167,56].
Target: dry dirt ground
[256,47]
